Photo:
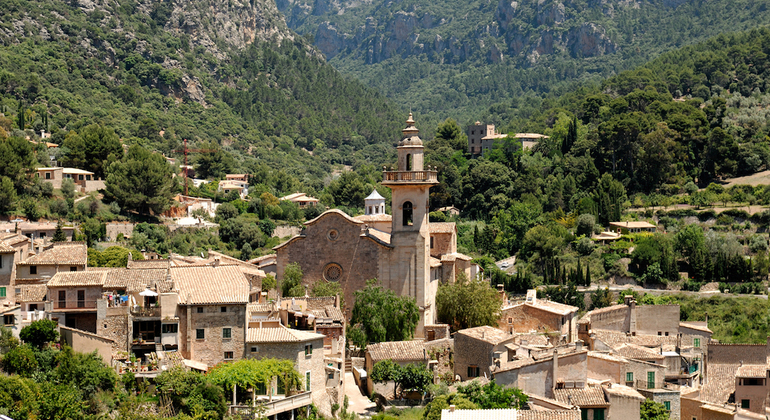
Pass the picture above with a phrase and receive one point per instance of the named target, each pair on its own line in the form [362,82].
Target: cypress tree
[588,275]
[59,235]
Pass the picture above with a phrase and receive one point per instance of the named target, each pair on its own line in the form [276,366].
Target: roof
[280,334]
[76,171]
[435,262]
[583,397]
[298,197]
[157,263]
[380,217]
[616,307]
[486,333]
[5,248]
[74,253]
[606,236]
[333,212]
[554,307]
[616,338]
[374,196]
[443,227]
[633,351]
[207,285]
[720,383]
[455,256]
[751,371]
[32,293]
[606,356]
[397,350]
[78,278]
[537,340]
[488,414]
[530,136]
[632,225]
[623,391]
[549,415]
[134,280]
[695,326]
[379,235]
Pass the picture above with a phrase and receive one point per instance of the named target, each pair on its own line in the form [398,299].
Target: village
[196,312]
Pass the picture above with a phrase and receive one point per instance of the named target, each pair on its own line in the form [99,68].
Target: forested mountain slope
[226,72]
[455,58]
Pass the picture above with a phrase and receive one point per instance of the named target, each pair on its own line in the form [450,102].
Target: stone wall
[118,328]
[603,369]
[689,407]
[470,351]
[442,243]
[436,332]
[641,369]
[538,378]
[615,319]
[663,396]
[112,230]
[333,239]
[211,349]
[655,319]
[750,354]
[526,318]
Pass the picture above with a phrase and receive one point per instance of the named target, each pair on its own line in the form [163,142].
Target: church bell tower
[410,234]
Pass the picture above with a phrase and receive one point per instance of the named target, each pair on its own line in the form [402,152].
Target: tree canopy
[380,315]
[141,181]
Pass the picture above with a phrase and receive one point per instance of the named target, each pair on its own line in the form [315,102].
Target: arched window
[409,162]
[407,213]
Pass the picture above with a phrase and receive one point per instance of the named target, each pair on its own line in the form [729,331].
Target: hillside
[226,72]
[456,58]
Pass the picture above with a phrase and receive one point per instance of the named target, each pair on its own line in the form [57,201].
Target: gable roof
[487,334]
[5,248]
[720,383]
[633,351]
[397,351]
[442,227]
[209,285]
[695,326]
[156,263]
[751,371]
[78,278]
[583,397]
[32,293]
[553,307]
[135,280]
[280,334]
[62,253]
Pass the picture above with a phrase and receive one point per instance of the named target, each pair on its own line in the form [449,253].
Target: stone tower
[409,269]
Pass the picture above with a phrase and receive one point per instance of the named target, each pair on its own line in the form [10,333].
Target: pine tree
[588,275]
[59,235]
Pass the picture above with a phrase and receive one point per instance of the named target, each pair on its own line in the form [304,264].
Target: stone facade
[212,320]
[436,332]
[541,377]
[475,352]
[525,318]
[669,398]
[117,326]
[312,363]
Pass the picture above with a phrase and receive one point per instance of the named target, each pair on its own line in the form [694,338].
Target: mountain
[457,58]
[227,72]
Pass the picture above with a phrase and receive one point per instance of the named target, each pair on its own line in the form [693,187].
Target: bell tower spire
[409,272]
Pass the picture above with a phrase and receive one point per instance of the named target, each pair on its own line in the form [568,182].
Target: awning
[193,364]
[148,292]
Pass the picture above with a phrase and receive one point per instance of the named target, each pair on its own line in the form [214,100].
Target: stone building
[55,258]
[476,350]
[541,316]
[211,312]
[337,247]
[633,319]
[401,352]
[475,133]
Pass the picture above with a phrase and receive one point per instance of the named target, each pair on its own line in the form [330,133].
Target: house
[55,258]
[36,230]
[72,298]
[540,315]
[592,401]
[529,140]
[237,177]
[632,227]
[12,318]
[85,181]
[7,256]
[400,352]
[449,210]
[564,367]
[475,133]
[476,350]
[32,298]
[305,349]
[211,310]
[301,199]
[228,186]
[631,319]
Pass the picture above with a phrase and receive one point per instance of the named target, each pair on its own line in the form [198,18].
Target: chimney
[452,408]
[216,262]
[555,373]
[579,345]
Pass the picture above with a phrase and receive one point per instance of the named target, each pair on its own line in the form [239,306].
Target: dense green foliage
[651,410]
[467,304]
[491,395]
[413,376]
[380,315]
[39,333]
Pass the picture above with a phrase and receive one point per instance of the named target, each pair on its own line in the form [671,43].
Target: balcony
[414,177]
[68,305]
[146,311]
[276,406]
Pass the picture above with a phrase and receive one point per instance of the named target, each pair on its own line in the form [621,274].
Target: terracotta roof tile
[32,293]
[78,278]
[694,326]
[585,397]
[623,391]
[751,371]
[162,263]
[280,334]
[554,307]
[134,280]
[334,313]
[397,351]
[488,334]
[549,415]
[5,248]
[382,236]
[443,227]
[381,217]
[319,302]
[616,338]
[606,356]
[74,253]
[207,285]
[719,384]
[455,256]
[536,340]
[633,351]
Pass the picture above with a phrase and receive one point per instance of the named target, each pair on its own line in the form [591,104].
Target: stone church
[404,251]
